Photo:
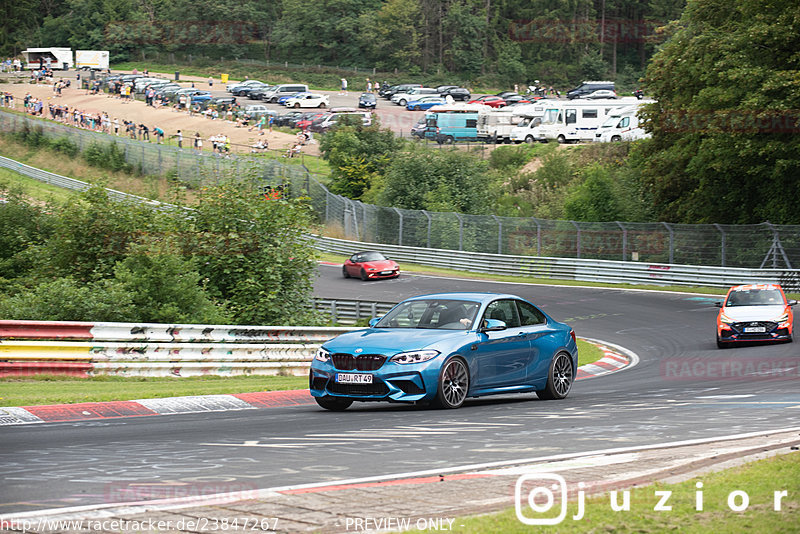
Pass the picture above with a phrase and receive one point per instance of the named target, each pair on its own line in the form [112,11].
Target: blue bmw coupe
[443,348]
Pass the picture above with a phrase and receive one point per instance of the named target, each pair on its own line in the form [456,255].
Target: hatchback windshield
[755,297]
[436,314]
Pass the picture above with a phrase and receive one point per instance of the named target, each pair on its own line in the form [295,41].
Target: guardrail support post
[499,234]
[577,240]
[722,243]
[428,216]
[624,241]
[671,242]
[334,316]
[538,236]
[400,227]
[460,231]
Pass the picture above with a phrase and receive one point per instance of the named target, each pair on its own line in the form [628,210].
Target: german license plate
[754,329]
[353,378]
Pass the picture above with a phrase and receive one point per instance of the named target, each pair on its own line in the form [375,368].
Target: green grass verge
[758,479]
[588,353]
[49,389]
[31,188]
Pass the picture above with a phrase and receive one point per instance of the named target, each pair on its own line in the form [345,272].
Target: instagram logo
[534,494]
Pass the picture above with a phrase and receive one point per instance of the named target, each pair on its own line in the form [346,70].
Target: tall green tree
[725,144]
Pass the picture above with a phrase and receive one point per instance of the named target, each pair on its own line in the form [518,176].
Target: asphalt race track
[668,396]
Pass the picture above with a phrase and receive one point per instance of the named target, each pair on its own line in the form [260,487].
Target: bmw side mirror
[493,325]
[374,321]
[718,304]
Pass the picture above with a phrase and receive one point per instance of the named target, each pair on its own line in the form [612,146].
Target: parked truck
[91,59]
[52,58]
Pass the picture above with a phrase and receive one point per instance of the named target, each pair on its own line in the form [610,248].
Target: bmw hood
[391,341]
[754,313]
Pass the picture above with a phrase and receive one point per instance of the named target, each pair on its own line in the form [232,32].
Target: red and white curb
[87,411]
[615,358]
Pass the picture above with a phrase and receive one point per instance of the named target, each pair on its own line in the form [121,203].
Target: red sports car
[490,100]
[370,266]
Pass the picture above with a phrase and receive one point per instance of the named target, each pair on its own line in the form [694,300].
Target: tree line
[512,41]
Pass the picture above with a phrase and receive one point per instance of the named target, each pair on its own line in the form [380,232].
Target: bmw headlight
[322,355]
[416,356]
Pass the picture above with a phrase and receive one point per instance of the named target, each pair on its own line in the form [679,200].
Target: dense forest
[508,40]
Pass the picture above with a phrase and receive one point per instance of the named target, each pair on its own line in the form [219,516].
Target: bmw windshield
[432,314]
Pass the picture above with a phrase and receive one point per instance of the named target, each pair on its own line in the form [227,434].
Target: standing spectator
[198,142]
[116,126]
[210,81]
[145,132]
[159,134]
[344,86]
[179,137]
[369,85]
[271,120]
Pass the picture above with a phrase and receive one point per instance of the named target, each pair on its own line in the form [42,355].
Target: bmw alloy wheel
[453,384]
[559,378]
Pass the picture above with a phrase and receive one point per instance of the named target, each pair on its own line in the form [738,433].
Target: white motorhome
[530,116]
[54,58]
[576,120]
[91,59]
[623,125]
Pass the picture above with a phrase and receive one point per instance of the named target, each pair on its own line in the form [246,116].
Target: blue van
[448,124]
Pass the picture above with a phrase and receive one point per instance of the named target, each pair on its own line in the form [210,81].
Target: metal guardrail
[585,270]
[128,349]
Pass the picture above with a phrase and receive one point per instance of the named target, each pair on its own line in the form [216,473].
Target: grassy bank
[48,389]
[759,480]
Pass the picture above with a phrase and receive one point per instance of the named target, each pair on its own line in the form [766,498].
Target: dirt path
[168,120]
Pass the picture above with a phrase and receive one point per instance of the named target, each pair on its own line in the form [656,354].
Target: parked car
[307,100]
[445,347]
[231,87]
[510,100]
[418,130]
[489,100]
[400,88]
[288,118]
[458,93]
[223,103]
[367,101]
[755,312]
[425,102]
[310,118]
[370,266]
[401,99]
[442,88]
[277,91]
[248,90]
[200,97]
[589,87]
[504,94]
[256,111]
[282,100]
[600,93]
[163,90]
[258,92]
[323,124]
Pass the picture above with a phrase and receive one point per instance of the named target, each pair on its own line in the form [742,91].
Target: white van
[575,120]
[622,125]
[285,89]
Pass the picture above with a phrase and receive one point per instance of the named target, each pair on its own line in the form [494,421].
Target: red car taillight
[572,333]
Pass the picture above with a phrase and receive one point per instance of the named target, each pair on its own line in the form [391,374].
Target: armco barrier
[87,349]
[585,270]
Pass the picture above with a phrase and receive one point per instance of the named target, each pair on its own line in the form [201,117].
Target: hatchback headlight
[725,319]
[416,356]
[322,355]
[783,318]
